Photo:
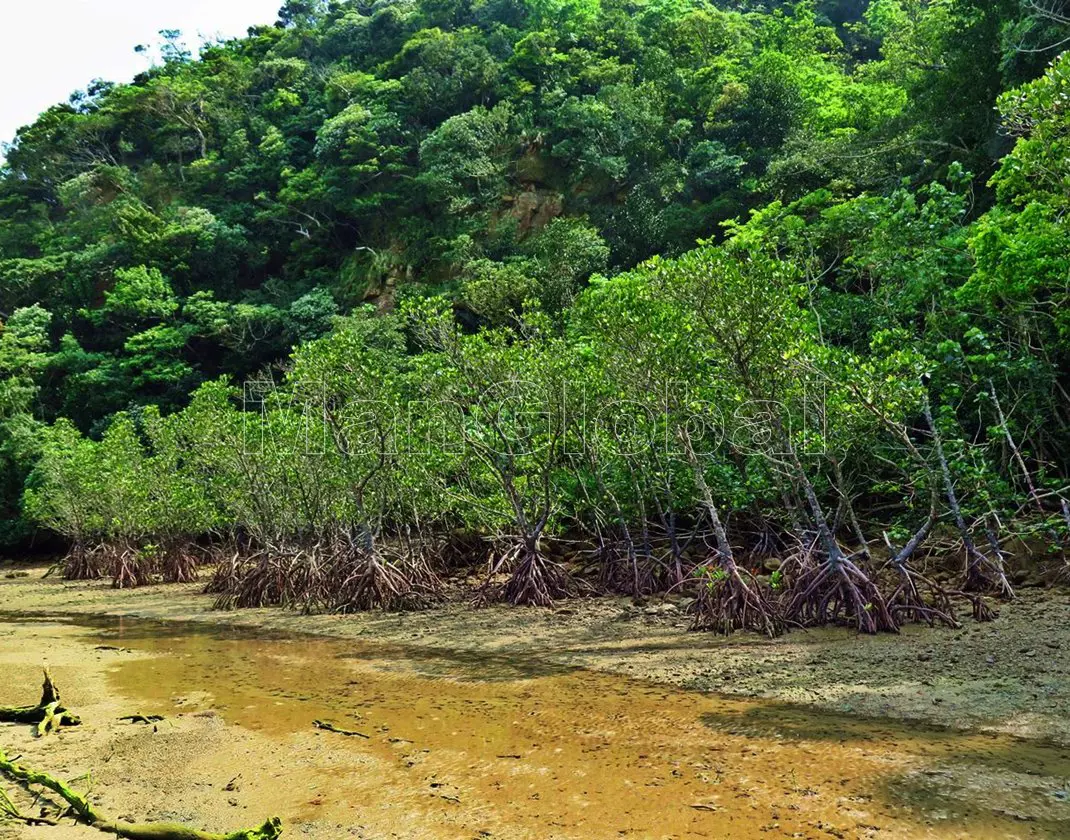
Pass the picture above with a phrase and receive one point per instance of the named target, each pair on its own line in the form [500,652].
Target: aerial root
[130,567]
[179,563]
[81,563]
[979,606]
[918,599]
[358,578]
[983,575]
[263,578]
[336,576]
[536,580]
[732,599]
[838,592]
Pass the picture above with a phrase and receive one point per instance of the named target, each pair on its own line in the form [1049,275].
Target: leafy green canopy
[207,216]
[203,220]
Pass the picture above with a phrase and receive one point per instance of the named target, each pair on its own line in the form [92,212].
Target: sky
[50,48]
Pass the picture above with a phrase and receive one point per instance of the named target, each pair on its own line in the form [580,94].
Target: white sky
[50,48]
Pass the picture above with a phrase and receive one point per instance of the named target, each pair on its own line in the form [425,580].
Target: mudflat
[595,719]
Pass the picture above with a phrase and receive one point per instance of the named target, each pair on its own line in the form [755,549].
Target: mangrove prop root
[130,567]
[48,715]
[179,564]
[263,579]
[356,579]
[909,602]
[979,606]
[536,580]
[330,727]
[82,564]
[839,592]
[736,602]
[81,809]
[982,574]
[228,571]
[332,575]
[985,575]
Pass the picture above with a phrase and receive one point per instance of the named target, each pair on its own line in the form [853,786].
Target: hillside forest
[764,303]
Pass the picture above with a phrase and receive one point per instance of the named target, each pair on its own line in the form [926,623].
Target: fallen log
[48,715]
[81,809]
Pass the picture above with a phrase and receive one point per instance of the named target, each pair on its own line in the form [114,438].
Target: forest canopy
[833,219]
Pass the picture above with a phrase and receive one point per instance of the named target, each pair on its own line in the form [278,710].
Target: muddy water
[461,746]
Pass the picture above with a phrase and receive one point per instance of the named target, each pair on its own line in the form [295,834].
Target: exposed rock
[534,208]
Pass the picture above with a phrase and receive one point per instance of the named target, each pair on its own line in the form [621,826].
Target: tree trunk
[1016,453]
[976,562]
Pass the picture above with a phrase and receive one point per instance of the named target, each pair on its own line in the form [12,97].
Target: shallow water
[480,746]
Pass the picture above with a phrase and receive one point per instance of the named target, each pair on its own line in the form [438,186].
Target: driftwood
[330,727]
[9,811]
[81,809]
[48,715]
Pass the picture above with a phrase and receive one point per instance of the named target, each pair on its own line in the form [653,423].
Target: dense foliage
[385,273]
